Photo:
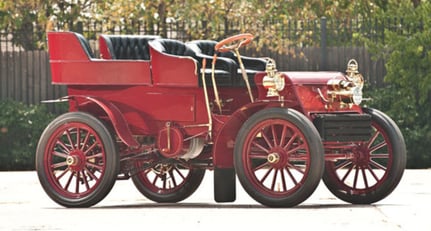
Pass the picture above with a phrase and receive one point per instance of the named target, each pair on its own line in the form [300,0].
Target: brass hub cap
[72,160]
[273,158]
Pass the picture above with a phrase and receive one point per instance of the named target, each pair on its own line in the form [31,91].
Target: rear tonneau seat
[133,47]
[73,63]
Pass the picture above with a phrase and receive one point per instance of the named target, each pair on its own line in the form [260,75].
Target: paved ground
[25,206]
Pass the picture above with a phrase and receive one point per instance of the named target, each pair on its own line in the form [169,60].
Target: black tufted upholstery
[172,47]
[225,69]
[129,46]
[85,45]
[252,65]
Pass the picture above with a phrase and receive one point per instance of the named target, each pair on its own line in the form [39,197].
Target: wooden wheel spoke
[258,155]
[62,174]
[283,180]
[295,149]
[283,136]
[78,137]
[85,141]
[274,135]
[90,148]
[261,166]
[378,146]
[78,176]
[257,145]
[69,138]
[85,181]
[266,175]
[180,173]
[355,179]
[373,173]
[290,142]
[60,154]
[347,173]
[344,164]
[91,174]
[373,138]
[171,174]
[274,179]
[66,187]
[377,165]
[59,165]
[267,140]
[97,155]
[63,146]
[380,156]
[364,176]
[292,177]
[95,166]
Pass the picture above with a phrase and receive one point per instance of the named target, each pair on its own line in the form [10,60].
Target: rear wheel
[278,157]
[168,183]
[377,166]
[76,160]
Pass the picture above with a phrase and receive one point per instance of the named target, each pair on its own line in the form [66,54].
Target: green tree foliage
[20,129]
[202,19]
[407,99]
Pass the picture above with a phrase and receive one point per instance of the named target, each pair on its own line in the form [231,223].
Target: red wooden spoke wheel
[168,183]
[279,157]
[239,40]
[377,166]
[76,160]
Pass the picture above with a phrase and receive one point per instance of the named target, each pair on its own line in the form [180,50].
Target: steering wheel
[240,39]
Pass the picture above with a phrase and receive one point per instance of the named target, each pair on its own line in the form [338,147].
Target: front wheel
[76,160]
[377,166]
[278,157]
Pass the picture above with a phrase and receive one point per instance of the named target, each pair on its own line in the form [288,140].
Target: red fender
[226,135]
[115,116]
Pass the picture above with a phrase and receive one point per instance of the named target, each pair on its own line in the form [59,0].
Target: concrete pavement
[25,206]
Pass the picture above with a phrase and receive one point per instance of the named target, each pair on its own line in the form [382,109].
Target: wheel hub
[273,158]
[76,160]
[72,160]
[278,157]
[362,156]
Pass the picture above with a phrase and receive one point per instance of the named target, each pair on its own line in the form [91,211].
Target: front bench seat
[224,70]
[252,65]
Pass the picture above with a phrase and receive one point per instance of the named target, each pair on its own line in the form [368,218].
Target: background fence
[25,75]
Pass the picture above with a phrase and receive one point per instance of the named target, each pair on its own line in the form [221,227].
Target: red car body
[159,106]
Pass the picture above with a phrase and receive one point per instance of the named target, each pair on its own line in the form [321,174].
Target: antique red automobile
[162,112]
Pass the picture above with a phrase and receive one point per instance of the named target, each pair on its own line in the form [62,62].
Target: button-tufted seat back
[252,65]
[172,47]
[129,46]
[203,46]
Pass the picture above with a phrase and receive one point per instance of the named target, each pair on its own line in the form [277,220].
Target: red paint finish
[152,121]
[71,65]
[140,97]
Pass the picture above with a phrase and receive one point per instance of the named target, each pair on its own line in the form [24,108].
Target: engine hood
[312,78]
